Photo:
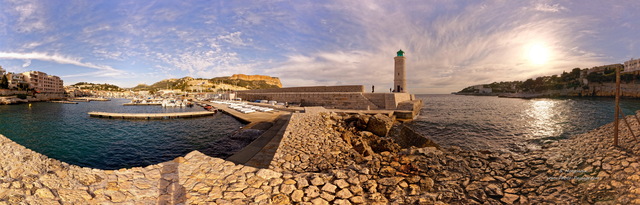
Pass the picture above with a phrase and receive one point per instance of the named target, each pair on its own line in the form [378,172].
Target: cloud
[449,46]
[104,70]
[546,7]
[30,16]
[27,63]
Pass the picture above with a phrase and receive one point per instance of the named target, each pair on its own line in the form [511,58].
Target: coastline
[317,161]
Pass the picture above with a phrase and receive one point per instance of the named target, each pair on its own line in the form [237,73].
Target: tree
[23,86]
[4,82]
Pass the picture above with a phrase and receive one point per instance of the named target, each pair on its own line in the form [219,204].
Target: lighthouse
[399,79]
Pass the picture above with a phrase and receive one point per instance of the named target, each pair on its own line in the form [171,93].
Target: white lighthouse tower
[400,78]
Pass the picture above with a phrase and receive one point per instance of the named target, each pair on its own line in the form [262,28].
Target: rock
[342,202]
[387,171]
[268,174]
[357,200]
[301,182]
[474,190]
[327,196]
[233,195]
[72,195]
[289,181]
[44,193]
[389,181]
[509,198]
[287,188]
[261,197]
[117,196]
[344,193]
[328,187]
[143,183]
[493,190]
[312,191]
[355,189]
[407,137]
[319,201]
[341,183]
[379,125]
[317,181]
[297,195]
[251,192]
[414,190]
[280,199]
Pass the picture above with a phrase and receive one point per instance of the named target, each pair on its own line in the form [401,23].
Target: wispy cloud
[30,15]
[104,70]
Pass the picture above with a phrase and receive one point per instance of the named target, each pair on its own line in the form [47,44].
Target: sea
[512,124]
[66,131]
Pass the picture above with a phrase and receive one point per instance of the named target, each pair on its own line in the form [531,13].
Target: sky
[449,44]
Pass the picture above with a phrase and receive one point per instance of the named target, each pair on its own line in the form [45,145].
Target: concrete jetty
[130,104]
[150,116]
[248,118]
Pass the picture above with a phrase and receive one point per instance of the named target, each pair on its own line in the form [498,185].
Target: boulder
[380,124]
[407,137]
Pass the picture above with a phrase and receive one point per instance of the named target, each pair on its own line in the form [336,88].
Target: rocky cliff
[268,79]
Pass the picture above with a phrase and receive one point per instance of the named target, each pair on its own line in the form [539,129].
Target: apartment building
[43,83]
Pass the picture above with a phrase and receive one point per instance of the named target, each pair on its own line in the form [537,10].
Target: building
[632,65]
[2,71]
[43,83]
[15,79]
[400,78]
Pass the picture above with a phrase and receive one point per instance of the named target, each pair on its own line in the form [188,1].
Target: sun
[538,54]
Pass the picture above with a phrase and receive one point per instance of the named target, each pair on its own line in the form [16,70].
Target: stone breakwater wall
[315,89]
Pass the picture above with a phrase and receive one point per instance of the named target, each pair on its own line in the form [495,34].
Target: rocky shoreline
[330,158]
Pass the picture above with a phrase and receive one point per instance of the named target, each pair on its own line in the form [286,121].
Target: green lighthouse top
[400,53]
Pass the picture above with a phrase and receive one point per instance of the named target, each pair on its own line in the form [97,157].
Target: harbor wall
[335,100]
[338,88]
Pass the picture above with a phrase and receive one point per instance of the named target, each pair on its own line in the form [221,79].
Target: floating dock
[150,116]
[64,102]
[129,104]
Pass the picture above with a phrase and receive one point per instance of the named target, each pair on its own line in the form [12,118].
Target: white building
[632,65]
[482,89]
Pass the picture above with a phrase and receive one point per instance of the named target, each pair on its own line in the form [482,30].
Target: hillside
[94,86]
[234,82]
[596,81]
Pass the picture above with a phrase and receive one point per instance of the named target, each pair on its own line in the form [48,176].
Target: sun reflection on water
[546,118]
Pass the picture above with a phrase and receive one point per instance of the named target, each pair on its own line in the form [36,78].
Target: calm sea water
[512,125]
[66,132]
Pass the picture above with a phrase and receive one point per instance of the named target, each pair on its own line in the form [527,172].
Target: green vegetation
[183,84]
[93,86]
[251,85]
[4,82]
[567,80]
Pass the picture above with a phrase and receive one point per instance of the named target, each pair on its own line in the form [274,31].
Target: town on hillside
[597,81]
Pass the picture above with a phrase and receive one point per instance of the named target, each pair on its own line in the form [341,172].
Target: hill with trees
[94,86]
[235,82]
[596,81]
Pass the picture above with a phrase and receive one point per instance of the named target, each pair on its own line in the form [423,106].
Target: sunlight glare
[538,54]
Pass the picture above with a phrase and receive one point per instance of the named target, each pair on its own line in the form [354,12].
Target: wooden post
[617,111]
[624,117]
